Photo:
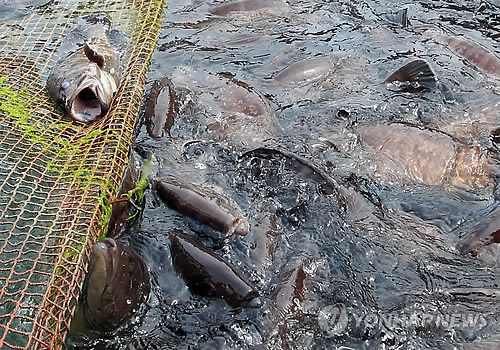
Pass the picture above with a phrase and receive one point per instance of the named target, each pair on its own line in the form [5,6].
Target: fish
[472,51]
[161,108]
[485,232]
[307,70]
[243,5]
[305,168]
[230,109]
[415,76]
[286,308]
[116,284]
[203,205]
[403,152]
[208,274]
[122,209]
[289,293]
[475,53]
[86,78]
[263,237]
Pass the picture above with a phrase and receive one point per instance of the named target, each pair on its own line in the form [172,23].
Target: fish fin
[93,55]
[415,76]
[449,96]
[400,17]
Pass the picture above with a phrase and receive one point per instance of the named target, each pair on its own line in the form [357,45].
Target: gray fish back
[117,40]
[71,42]
[95,25]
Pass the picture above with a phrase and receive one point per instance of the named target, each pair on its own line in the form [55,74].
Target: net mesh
[57,176]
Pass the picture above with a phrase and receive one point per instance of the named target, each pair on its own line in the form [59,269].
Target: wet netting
[56,175]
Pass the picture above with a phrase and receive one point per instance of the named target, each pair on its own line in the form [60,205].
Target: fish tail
[94,25]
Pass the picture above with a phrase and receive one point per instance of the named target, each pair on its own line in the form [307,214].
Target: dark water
[365,259]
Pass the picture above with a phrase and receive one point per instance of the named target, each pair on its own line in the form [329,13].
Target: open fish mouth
[87,103]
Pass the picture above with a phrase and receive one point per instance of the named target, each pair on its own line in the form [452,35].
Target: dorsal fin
[93,55]
[415,76]
[400,17]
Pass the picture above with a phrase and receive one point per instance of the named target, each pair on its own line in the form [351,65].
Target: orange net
[57,176]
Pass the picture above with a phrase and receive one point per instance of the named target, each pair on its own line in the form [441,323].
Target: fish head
[115,286]
[90,93]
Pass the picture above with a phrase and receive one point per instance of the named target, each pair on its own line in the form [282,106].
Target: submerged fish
[407,153]
[263,237]
[230,109]
[243,5]
[472,51]
[208,274]
[203,205]
[475,54]
[302,166]
[121,209]
[486,232]
[307,70]
[116,284]
[86,78]
[290,294]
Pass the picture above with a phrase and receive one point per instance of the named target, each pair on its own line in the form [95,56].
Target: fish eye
[65,85]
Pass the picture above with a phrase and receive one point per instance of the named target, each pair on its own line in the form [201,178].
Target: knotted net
[57,176]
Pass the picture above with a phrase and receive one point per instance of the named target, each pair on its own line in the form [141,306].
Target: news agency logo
[334,319]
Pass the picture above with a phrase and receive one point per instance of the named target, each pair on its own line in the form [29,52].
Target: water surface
[369,264]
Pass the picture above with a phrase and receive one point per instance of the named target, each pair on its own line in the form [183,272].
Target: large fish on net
[85,79]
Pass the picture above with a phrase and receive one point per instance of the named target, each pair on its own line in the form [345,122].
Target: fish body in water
[208,274]
[117,283]
[410,154]
[307,70]
[263,237]
[122,210]
[486,232]
[231,109]
[161,108]
[86,78]
[244,5]
[475,54]
[203,205]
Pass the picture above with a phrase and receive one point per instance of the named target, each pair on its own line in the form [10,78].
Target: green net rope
[57,176]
